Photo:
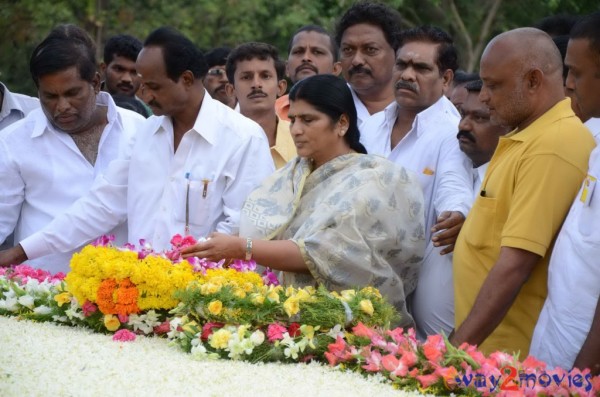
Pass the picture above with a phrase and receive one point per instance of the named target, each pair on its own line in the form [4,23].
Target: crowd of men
[507,167]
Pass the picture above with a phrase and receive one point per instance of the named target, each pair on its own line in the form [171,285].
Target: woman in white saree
[333,215]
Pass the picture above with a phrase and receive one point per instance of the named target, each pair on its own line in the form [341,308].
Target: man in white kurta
[14,107]
[567,333]
[573,274]
[422,138]
[43,173]
[172,180]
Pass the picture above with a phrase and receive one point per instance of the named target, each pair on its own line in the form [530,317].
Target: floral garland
[232,313]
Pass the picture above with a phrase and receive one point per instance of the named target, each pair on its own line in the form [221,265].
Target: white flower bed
[42,359]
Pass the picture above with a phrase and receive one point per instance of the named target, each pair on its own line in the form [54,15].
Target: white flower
[145,322]
[257,337]
[27,301]
[174,324]
[42,310]
[335,332]
[9,304]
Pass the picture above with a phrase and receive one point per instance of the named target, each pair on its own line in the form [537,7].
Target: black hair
[589,28]
[557,25]
[122,45]
[253,50]
[179,53]
[380,15]
[331,95]
[462,77]
[447,57]
[474,86]
[333,46]
[217,56]
[66,46]
[131,103]
[561,43]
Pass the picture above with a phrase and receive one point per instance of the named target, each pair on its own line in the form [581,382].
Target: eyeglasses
[216,71]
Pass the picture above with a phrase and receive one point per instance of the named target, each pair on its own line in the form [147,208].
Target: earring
[342,132]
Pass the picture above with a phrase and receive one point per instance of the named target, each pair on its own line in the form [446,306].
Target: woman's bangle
[248,248]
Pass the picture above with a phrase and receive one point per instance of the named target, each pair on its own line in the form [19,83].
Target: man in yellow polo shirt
[501,256]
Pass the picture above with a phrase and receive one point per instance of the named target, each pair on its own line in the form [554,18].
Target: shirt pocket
[482,232]
[193,201]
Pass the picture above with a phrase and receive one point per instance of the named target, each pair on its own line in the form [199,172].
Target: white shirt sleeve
[253,163]
[455,190]
[12,192]
[95,214]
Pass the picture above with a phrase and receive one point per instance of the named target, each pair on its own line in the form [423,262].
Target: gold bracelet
[248,248]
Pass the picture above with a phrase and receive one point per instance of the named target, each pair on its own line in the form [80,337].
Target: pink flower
[502,359]
[162,328]
[275,332]
[394,366]
[269,278]
[104,241]
[448,374]
[397,334]
[89,308]
[124,335]
[532,362]
[123,318]
[362,331]
[372,360]
[428,380]
[243,266]
[410,358]
[207,330]
[434,349]
[338,352]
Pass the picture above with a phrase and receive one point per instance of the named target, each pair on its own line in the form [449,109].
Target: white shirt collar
[42,124]
[204,125]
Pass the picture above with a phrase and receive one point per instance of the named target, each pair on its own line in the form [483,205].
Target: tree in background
[212,23]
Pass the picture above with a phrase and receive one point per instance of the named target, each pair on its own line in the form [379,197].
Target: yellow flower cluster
[295,296]
[242,283]
[156,278]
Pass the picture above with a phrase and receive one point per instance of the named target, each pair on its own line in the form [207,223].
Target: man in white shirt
[50,159]
[477,135]
[14,107]
[367,37]
[188,172]
[422,138]
[567,333]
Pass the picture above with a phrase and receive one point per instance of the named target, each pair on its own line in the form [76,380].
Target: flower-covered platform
[276,339]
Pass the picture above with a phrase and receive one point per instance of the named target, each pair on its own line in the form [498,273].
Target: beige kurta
[358,221]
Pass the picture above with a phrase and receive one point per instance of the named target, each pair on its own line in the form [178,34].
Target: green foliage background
[211,23]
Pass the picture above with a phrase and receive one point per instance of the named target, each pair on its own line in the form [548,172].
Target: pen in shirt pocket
[205,182]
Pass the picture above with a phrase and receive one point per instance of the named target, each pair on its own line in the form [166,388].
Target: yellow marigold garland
[154,278]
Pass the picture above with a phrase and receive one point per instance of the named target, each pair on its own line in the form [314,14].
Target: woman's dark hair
[330,95]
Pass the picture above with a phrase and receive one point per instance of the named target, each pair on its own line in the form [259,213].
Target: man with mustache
[216,80]
[367,37]
[53,157]
[502,253]
[422,138]
[118,68]
[312,50]
[256,75]
[478,135]
[188,171]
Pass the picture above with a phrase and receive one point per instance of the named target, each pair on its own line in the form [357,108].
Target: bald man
[501,255]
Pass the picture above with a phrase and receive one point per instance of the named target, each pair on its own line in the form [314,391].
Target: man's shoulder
[22,129]
[234,125]
[27,103]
